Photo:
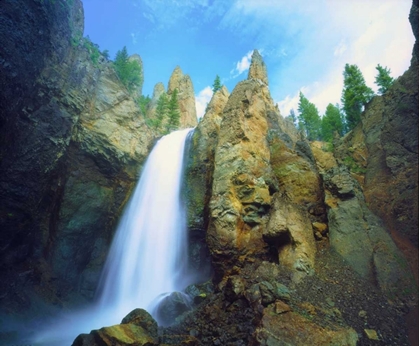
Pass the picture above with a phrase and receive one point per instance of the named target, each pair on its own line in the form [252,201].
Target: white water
[148,256]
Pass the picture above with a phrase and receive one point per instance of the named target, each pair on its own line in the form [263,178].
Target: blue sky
[305,43]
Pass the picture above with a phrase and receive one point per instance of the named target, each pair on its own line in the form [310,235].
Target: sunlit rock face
[71,146]
[257,69]
[186,97]
[247,173]
[200,164]
[241,194]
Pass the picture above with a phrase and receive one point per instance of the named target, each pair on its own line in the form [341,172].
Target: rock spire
[258,70]
[186,97]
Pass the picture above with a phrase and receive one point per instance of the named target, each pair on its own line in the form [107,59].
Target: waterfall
[148,256]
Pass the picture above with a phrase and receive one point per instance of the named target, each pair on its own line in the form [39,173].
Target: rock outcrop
[245,222]
[382,154]
[257,69]
[242,179]
[186,97]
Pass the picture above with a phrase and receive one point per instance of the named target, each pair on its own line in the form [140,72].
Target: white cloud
[340,48]
[202,99]
[242,65]
[358,32]
[291,102]
[287,104]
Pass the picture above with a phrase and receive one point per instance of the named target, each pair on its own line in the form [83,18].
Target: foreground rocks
[137,328]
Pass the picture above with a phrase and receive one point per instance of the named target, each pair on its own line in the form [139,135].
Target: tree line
[355,95]
[167,114]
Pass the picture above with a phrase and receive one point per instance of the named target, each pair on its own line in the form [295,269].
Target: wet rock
[171,307]
[199,292]
[121,334]
[142,318]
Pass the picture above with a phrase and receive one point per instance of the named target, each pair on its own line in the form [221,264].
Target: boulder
[120,334]
[171,307]
[142,318]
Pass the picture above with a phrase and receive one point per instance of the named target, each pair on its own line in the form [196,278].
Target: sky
[304,43]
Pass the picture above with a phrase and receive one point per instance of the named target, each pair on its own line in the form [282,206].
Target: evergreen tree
[217,85]
[161,110]
[143,102]
[173,112]
[383,79]
[292,116]
[308,119]
[331,122]
[355,95]
[128,71]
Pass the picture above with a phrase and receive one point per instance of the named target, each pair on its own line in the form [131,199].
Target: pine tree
[308,119]
[292,116]
[355,95]
[217,85]
[383,79]
[128,71]
[143,102]
[173,112]
[161,110]
[331,122]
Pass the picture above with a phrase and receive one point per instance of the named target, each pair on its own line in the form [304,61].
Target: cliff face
[385,148]
[276,201]
[72,142]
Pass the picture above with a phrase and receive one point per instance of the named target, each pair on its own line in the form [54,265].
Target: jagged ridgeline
[307,245]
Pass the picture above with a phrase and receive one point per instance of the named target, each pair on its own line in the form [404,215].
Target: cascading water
[148,256]
[149,253]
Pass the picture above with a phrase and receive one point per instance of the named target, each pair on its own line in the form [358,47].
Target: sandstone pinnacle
[258,70]
[186,97]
